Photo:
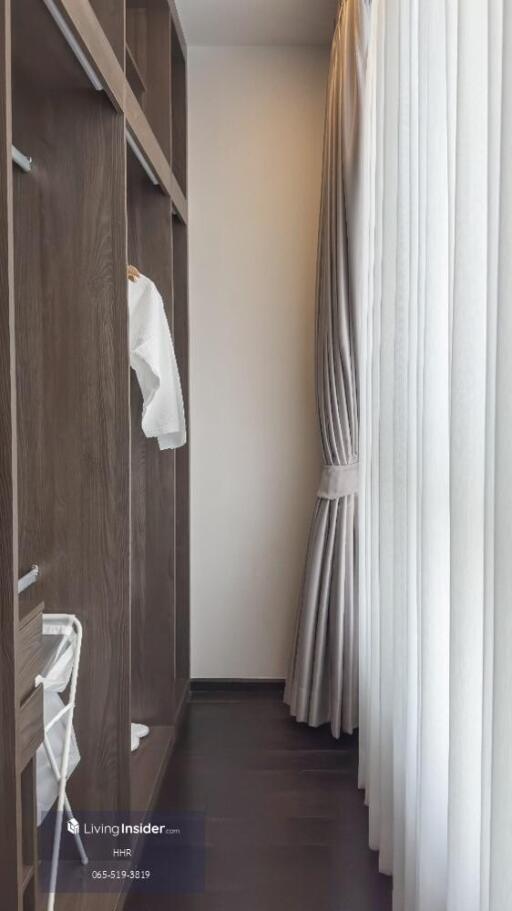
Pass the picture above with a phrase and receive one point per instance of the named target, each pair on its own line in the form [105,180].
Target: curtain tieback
[339,481]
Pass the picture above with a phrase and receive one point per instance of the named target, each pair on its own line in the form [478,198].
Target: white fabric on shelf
[134,739]
[153,359]
[436,453]
[137,733]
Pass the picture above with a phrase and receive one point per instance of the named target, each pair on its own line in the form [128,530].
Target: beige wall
[256,124]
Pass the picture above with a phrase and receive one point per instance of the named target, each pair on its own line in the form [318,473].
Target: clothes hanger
[133,273]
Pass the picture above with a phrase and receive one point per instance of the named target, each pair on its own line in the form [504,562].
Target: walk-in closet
[93,129]
[255,455]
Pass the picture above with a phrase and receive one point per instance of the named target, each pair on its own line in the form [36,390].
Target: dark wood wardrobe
[93,96]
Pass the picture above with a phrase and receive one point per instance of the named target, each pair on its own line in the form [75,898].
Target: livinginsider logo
[148,828]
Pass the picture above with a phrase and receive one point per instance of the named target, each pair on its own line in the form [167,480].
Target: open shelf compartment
[148,64]
[179,108]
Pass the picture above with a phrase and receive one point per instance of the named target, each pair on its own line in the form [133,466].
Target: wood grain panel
[105,53]
[10,844]
[152,608]
[30,898]
[30,651]
[72,376]
[148,766]
[136,38]
[157,101]
[30,726]
[71,436]
[148,43]
[110,15]
[29,822]
[181,341]
[179,111]
[147,141]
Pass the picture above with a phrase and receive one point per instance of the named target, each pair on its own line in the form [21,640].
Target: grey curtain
[322,684]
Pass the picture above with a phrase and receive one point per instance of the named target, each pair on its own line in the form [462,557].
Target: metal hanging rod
[27,580]
[73,44]
[141,159]
[21,160]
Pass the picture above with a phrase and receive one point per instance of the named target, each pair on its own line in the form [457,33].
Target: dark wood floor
[286,827]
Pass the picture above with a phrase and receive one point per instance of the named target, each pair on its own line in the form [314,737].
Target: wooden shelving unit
[83,493]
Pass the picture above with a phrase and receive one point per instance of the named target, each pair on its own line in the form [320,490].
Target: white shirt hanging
[153,359]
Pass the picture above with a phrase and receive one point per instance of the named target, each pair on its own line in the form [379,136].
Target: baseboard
[235,685]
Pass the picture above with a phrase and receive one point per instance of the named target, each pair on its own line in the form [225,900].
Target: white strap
[339,481]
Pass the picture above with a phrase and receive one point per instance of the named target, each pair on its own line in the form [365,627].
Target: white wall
[256,125]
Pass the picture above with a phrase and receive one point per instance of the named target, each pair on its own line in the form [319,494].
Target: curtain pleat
[435,568]
[322,684]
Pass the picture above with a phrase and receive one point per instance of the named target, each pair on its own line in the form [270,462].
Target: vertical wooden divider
[10,799]
[181,342]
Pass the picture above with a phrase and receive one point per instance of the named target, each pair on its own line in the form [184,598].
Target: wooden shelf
[147,141]
[148,764]
[85,26]
[91,38]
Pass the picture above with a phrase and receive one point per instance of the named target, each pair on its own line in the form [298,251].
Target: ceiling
[257,22]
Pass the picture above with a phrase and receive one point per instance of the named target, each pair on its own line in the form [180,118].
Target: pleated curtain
[322,684]
[436,452]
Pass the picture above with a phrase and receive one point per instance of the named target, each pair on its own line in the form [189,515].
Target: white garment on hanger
[153,359]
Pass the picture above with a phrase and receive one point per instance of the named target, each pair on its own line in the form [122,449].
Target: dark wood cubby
[148,63]
[153,479]
[83,493]
[110,14]
[179,106]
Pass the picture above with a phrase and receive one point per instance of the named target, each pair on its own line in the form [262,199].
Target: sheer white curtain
[436,453]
